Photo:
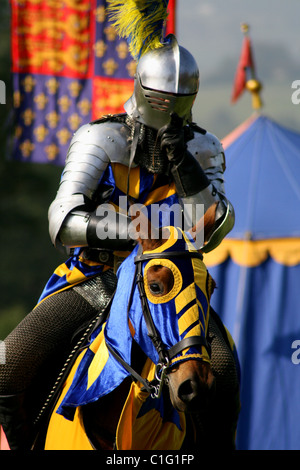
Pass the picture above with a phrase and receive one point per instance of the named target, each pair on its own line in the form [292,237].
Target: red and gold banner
[69,67]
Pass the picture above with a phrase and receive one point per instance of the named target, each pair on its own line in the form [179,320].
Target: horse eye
[156,288]
[160,280]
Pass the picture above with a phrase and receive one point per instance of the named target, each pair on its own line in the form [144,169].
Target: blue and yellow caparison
[145,422]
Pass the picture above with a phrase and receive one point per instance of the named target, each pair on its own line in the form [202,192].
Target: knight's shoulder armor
[207,149]
[107,140]
[93,147]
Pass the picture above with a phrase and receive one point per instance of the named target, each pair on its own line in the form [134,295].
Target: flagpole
[253,85]
[245,77]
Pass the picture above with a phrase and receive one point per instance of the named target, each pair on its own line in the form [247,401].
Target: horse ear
[206,223]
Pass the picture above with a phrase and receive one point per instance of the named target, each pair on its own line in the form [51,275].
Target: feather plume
[141,22]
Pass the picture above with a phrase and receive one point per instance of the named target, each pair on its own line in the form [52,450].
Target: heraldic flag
[69,68]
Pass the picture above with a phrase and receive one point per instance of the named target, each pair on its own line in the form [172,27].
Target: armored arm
[73,219]
[207,150]
[197,169]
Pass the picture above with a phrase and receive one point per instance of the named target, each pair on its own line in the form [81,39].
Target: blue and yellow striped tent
[257,270]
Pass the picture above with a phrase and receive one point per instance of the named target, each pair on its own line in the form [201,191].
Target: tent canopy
[262,182]
[262,179]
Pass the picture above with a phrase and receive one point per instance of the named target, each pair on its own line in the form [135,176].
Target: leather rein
[165,355]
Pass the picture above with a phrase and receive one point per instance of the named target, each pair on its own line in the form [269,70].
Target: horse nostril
[187,390]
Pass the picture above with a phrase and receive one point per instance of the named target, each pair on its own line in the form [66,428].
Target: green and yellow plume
[141,22]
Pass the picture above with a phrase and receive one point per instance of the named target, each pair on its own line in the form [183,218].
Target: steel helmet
[166,81]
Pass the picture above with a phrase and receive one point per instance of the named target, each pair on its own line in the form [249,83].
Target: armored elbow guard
[224,224]
[109,231]
[207,150]
[104,229]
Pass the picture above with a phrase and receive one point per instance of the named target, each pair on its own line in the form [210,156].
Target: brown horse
[179,386]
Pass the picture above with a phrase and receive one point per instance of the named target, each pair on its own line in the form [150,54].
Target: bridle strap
[152,331]
[167,255]
[186,343]
[147,386]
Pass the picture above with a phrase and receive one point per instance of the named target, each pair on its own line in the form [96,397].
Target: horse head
[170,304]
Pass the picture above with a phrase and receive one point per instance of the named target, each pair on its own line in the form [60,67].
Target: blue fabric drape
[261,307]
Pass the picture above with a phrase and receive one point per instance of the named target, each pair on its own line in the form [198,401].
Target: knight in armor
[153,153]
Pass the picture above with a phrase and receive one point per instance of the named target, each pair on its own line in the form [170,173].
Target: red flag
[244,70]
[171,20]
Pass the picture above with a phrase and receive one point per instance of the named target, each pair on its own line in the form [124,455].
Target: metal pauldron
[92,149]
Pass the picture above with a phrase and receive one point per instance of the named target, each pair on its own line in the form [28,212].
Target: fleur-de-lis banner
[69,68]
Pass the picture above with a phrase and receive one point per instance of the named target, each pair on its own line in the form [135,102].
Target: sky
[211,29]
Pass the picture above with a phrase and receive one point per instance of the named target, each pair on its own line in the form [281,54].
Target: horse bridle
[165,355]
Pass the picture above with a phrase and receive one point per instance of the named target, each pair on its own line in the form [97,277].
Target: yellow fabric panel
[190,245]
[196,331]
[97,341]
[63,434]
[61,270]
[160,194]
[73,276]
[200,274]
[134,401]
[206,315]
[147,432]
[204,357]
[184,297]
[131,408]
[99,360]
[189,317]
[88,261]
[200,306]
[120,175]
[249,253]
